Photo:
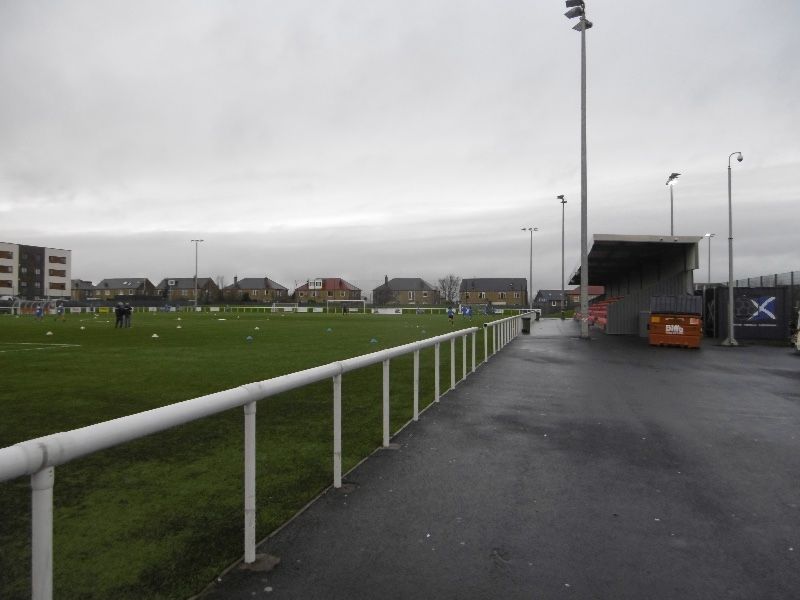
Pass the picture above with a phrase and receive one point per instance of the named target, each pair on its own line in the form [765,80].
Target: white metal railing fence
[39,457]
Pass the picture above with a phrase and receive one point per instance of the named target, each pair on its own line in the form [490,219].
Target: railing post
[474,339]
[337,431]
[452,363]
[416,385]
[436,372]
[485,342]
[250,482]
[386,403]
[42,534]
[494,340]
[464,355]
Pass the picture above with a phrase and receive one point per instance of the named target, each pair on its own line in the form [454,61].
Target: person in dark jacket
[126,315]
[119,313]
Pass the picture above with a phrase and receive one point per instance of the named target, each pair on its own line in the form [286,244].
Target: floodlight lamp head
[561,197]
[574,12]
[740,158]
[573,3]
[672,180]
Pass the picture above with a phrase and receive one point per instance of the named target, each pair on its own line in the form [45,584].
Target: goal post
[345,306]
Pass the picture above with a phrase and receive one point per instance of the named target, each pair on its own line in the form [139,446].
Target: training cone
[49,333]
[155,335]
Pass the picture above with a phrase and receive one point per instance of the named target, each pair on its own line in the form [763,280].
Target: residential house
[82,290]
[322,289]
[255,289]
[405,290]
[500,291]
[574,295]
[111,289]
[34,272]
[182,289]
[549,301]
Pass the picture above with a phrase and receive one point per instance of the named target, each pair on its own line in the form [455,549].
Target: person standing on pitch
[119,313]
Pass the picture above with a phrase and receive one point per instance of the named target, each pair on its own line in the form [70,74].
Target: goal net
[284,306]
[345,306]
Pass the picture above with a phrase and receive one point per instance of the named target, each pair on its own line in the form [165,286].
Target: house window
[554,303]
[424,294]
[62,260]
[57,273]
[342,294]
[184,292]
[38,271]
[330,294]
[302,294]
[23,270]
[410,295]
[315,293]
[482,295]
[5,283]
[254,293]
[108,292]
[6,254]
[466,295]
[5,269]
[58,286]
[516,294]
[130,292]
[23,284]
[502,295]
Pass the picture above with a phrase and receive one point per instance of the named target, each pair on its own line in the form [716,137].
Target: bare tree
[449,286]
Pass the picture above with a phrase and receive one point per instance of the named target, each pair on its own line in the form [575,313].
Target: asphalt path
[567,468]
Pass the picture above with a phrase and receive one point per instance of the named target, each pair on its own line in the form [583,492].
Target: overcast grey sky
[413,138]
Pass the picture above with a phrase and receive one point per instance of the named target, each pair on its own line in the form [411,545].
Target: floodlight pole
[196,242]
[731,339]
[584,192]
[563,203]
[530,269]
[709,236]
[671,214]
[671,181]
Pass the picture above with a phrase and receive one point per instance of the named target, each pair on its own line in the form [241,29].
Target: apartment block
[35,272]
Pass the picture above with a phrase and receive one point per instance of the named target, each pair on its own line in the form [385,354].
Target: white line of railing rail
[503,331]
[39,457]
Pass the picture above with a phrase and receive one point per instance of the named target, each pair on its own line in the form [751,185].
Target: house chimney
[235,279]
[385,279]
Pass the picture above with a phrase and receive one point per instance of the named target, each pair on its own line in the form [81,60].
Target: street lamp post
[671,181]
[563,202]
[731,339]
[195,242]
[577,8]
[709,236]
[530,272]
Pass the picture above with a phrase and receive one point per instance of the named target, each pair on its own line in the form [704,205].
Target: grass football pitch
[162,516]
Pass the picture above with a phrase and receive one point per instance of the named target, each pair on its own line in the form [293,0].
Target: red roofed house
[322,289]
[574,295]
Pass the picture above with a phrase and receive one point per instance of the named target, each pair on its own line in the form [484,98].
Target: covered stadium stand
[635,267]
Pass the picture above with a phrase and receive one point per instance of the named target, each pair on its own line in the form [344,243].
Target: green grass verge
[162,516]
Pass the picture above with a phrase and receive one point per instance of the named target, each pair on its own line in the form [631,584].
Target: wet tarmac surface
[567,468]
